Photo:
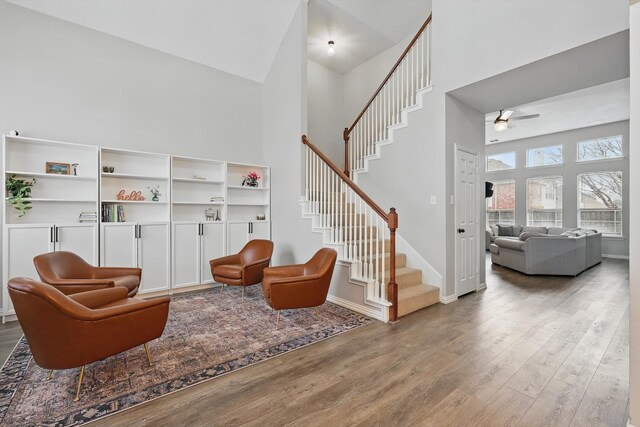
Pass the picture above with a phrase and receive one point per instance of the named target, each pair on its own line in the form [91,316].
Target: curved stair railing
[364,233]
[410,74]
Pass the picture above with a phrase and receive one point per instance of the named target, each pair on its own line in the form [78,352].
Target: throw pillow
[494,230]
[505,230]
[571,233]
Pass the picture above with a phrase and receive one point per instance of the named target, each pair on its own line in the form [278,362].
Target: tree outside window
[600,202]
[600,149]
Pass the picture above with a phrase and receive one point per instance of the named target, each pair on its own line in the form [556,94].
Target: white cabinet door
[260,230]
[153,256]
[22,244]
[186,255]
[238,236]
[79,239]
[119,246]
[212,247]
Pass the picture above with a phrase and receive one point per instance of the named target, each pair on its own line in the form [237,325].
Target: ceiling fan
[502,122]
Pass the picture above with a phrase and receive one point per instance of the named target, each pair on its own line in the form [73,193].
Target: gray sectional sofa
[542,250]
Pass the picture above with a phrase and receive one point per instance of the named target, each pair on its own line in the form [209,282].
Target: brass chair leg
[222,289]
[79,384]
[146,350]
[243,292]
[277,319]
[50,374]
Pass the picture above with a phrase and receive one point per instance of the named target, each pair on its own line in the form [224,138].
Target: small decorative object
[14,133]
[111,169]
[133,196]
[58,168]
[199,178]
[261,217]
[250,179]
[210,214]
[75,168]
[19,190]
[155,190]
[108,169]
[88,216]
[217,215]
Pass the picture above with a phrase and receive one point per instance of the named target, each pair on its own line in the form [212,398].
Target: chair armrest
[100,297]
[81,282]
[133,306]
[258,262]
[107,272]
[231,259]
[285,270]
[280,280]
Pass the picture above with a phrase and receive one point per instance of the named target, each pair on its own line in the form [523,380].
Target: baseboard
[448,299]
[482,286]
[629,423]
[615,256]
[378,315]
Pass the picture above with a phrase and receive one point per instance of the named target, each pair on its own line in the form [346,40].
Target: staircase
[363,234]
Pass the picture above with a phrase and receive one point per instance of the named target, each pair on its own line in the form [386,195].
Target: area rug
[207,335]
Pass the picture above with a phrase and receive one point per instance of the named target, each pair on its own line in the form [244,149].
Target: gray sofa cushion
[527,234]
[505,230]
[514,244]
[557,231]
[542,230]
[494,248]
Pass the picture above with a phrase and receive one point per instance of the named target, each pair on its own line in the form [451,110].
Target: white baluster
[371,243]
[380,235]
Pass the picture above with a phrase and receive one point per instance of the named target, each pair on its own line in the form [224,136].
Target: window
[501,207]
[544,156]
[501,162]
[600,149]
[544,201]
[600,202]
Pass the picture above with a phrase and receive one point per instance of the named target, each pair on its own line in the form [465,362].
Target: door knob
[460,230]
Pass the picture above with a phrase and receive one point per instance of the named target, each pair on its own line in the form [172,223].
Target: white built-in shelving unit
[171,239]
[52,223]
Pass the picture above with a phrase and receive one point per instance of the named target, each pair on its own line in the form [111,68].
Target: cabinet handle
[56,235]
[201,229]
[139,231]
[135,232]
[51,234]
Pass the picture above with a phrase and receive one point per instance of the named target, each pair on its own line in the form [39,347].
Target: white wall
[325,110]
[634,214]
[569,171]
[284,105]
[65,82]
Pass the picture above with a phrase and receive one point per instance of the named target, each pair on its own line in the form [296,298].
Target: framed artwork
[59,168]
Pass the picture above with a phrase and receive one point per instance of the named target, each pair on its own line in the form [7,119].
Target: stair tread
[415,290]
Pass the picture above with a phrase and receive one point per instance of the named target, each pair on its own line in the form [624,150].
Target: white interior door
[153,257]
[79,239]
[186,254]
[466,211]
[260,230]
[22,244]
[119,245]
[212,241]
[238,236]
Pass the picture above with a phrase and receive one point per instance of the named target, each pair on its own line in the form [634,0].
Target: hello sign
[134,195]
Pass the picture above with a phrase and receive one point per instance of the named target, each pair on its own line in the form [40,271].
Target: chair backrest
[62,265]
[256,249]
[322,262]
[50,322]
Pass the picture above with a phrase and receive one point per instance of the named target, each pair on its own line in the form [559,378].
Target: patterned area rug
[207,335]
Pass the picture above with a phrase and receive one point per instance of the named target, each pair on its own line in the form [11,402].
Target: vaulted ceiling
[240,37]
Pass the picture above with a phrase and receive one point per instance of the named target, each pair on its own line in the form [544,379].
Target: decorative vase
[155,198]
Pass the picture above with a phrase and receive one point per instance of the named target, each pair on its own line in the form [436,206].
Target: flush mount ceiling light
[331,50]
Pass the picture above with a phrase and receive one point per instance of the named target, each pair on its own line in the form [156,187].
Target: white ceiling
[605,103]
[240,37]
[361,29]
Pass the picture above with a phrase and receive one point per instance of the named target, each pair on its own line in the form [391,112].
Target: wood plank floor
[528,351]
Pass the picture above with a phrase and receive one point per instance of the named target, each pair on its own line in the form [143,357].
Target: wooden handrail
[373,205]
[384,82]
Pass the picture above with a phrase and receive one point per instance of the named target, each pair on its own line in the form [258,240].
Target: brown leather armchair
[71,274]
[244,268]
[299,286]
[66,332]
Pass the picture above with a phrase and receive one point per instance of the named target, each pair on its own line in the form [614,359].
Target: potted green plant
[19,190]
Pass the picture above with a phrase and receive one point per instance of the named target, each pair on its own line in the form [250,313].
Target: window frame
[527,199]
[526,162]
[578,194]
[608,159]
[495,184]
[515,162]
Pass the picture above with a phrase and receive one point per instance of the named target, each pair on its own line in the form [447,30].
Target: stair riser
[415,303]
[406,280]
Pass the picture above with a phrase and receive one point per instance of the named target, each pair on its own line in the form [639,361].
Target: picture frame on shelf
[57,168]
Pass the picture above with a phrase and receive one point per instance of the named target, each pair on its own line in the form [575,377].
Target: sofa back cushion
[505,230]
[542,230]
[528,234]
[558,231]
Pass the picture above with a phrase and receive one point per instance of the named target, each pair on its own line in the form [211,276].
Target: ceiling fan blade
[506,114]
[530,116]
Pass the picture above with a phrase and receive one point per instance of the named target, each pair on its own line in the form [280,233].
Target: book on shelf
[88,216]
[112,212]
[217,199]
